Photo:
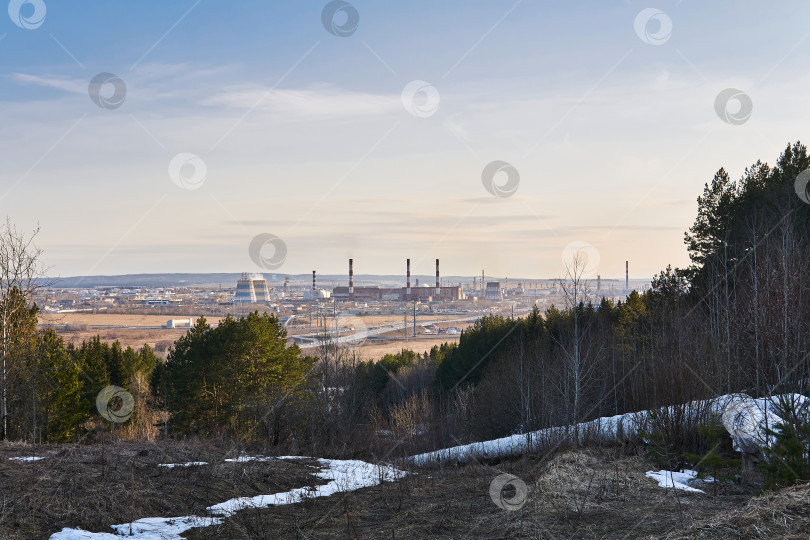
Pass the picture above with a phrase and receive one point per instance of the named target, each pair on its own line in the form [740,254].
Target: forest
[737,319]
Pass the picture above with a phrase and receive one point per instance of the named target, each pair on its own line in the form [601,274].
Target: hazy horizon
[330,142]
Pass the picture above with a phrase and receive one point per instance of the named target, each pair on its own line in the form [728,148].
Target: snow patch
[343,476]
[244,459]
[28,458]
[142,529]
[187,464]
[743,417]
[677,480]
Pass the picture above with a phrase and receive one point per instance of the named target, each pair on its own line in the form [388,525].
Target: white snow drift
[677,480]
[746,419]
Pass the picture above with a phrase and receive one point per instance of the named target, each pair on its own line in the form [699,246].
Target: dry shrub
[163,345]
[411,418]
[143,425]
[77,327]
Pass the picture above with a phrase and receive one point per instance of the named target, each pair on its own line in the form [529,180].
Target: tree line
[736,319]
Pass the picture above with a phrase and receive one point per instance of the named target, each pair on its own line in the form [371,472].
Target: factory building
[407,293]
[315,293]
[379,294]
[251,289]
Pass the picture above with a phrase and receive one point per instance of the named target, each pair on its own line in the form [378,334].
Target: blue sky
[304,135]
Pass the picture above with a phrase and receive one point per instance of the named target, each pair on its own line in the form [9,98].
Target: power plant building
[251,289]
[407,293]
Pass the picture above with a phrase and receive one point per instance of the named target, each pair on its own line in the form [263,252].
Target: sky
[289,136]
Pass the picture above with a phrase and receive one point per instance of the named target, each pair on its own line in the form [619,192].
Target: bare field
[375,351]
[85,326]
[157,338]
[113,319]
[130,330]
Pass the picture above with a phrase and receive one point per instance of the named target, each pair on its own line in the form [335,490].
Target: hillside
[583,493]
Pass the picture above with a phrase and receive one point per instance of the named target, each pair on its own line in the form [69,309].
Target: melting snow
[743,417]
[243,459]
[343,475]
[678,480]
[29,458]
[188,464]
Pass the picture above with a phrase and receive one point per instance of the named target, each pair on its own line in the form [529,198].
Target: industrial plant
[403,294]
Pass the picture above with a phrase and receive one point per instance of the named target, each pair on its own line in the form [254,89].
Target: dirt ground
[580,493]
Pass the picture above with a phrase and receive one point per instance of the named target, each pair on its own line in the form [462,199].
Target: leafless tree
[575,289]
[21,275]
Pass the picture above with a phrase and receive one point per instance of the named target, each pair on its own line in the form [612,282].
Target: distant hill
[229,280]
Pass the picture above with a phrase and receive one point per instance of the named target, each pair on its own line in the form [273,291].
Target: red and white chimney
[408,283]
[351,279]
[438,286]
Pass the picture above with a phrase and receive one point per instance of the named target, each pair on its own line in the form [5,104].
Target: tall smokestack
[351,279]
[627,275]
[482,281]
[408,286]
[313,281]
[438,287]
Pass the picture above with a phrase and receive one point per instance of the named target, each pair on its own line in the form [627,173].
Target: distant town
[363,310]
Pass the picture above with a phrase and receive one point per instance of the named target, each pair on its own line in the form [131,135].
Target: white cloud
[74,86]
[322,102]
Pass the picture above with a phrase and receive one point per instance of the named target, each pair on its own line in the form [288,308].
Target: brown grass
[95,486]
[575,493]
[782,514]
[594,493]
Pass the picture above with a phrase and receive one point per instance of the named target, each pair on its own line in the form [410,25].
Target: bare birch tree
[575,289]
[20,277]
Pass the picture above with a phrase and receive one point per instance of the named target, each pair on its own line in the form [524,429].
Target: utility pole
[414,317]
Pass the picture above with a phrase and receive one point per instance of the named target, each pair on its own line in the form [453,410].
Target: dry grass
[375,351]
[594,493]
[574,493]
[782,514]
[114,319]
[95,486]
